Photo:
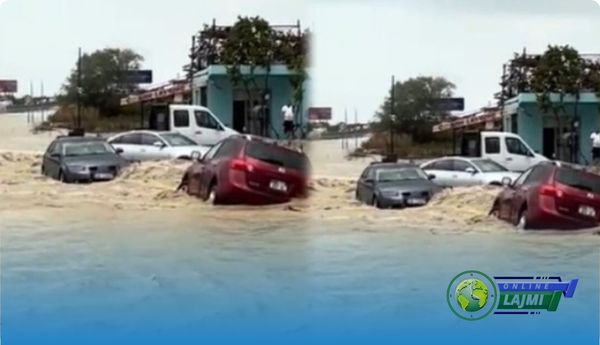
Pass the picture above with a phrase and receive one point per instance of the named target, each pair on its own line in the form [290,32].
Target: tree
[414,107]
[252,44]
[249,46]
[103,81]
[560,72]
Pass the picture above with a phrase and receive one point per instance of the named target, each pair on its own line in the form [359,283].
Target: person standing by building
[596,147]
[287,111]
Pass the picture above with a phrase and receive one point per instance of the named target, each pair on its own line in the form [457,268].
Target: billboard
[139,76]
[319,113]
[449,104]
[8,86]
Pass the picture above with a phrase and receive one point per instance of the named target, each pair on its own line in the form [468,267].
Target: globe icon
[472,295]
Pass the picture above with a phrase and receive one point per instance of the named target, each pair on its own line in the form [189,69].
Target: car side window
[149,139]
[537,174]
[227,149]
[130,139]
[492,145]
[522,178]
[213,150]
[365,174]
[206,120]
[516,146]
[461,166]
[181,118]
[51,148]
[445,164]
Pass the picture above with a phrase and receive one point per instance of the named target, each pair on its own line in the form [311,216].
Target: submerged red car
[551,196]
[248,170]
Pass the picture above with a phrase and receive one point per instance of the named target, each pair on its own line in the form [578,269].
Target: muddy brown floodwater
[151,186]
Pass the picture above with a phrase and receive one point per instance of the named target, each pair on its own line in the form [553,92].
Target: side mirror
[55,155]
[506,181]
[471,171]
[119,151]
[369,181]
[158,144]
[431,177]
[197,156]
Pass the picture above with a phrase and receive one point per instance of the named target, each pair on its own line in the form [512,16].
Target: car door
[491,148]
[464,174]
[530,185]
[209,130]
[130,144]
[518,156]
[149,149]
[442,169]
[52,160]
[364,186]
[507,197]
[181,123]
[208,171]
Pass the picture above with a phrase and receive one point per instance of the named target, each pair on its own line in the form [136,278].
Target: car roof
[267,141]
[77,139]
[379,165]
[145,131]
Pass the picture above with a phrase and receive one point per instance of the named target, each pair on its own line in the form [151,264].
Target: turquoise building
[523,116]
[212,88]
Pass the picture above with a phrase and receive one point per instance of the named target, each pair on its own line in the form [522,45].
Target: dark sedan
[81,159]
[387,185]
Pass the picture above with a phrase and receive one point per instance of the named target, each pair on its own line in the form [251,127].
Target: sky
[357,47]
[39,39]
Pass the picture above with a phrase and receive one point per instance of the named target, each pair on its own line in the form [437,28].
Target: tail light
[242,165]
[550,190]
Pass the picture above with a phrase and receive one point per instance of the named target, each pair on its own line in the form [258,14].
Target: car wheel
[43,170]
[61,177]
[522,220]
[212,194]
[377,203]
[495,211]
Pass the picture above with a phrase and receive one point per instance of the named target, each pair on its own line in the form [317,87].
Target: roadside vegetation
[414,117]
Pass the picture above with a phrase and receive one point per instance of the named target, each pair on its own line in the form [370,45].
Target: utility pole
[29,111]
[344,141]
[392,117]
[79,91]
[42,99]
[356,128]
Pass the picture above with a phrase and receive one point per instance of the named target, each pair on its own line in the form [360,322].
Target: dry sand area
[149,186]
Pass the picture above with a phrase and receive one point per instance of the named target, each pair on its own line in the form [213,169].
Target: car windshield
[87,148]
[486,165]
[174,139]
[586,182]
[399,174]
[277,156]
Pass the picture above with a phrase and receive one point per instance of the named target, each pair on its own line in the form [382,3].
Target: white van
[194,121]
[507,149]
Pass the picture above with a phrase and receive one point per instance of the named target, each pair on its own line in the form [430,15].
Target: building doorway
[239,116]
[248,116]
[549,142]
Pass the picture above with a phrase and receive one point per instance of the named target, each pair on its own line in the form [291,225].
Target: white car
[150,145]
[460,172]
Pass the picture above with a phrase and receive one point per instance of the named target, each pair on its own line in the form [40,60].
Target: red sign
[8,86]
[319,114]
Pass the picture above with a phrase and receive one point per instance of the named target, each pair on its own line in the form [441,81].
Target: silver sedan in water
[142,145]
[386,185]
[461,172]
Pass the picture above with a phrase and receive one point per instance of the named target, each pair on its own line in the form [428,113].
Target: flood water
[150,275]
